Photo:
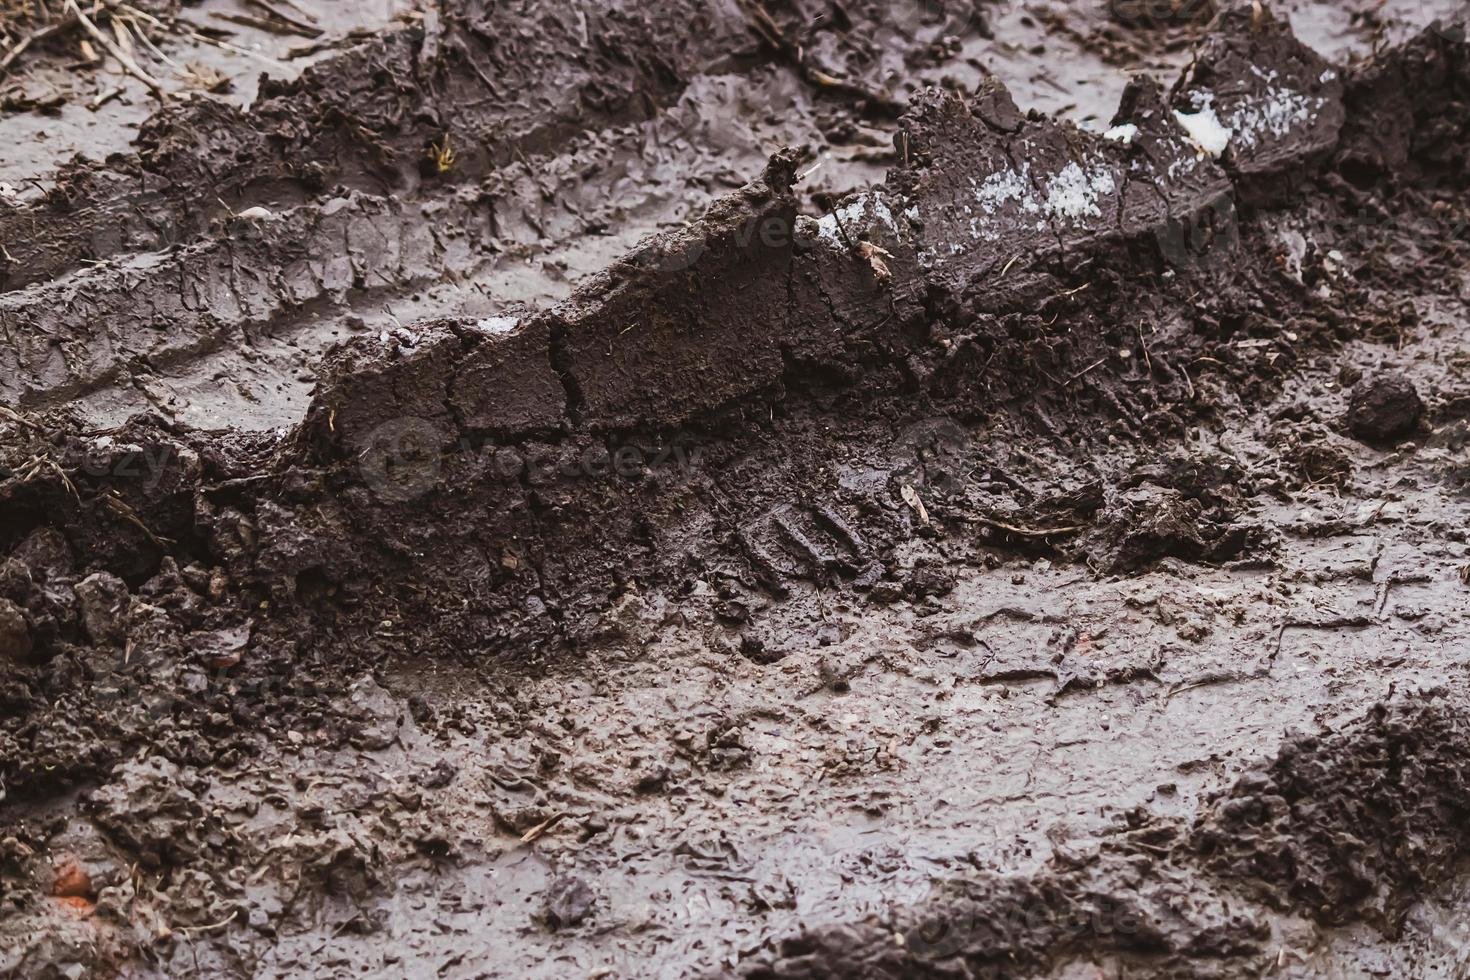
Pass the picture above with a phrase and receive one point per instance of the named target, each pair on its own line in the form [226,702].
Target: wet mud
[750,490]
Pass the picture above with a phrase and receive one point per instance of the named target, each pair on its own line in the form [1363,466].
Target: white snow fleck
[256,213]
[854,218]
[1122,134]
[1074,193]
[1008,186]
[498,324]
[1203,126]
[1279,112]
[1184,165]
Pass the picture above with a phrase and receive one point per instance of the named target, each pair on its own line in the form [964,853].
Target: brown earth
[684,489]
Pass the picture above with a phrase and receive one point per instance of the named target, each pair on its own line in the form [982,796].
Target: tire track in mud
[787,351]
[717,316]
[357,144]
[749,300]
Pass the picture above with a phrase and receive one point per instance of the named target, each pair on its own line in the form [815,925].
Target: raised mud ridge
[438,476]
[988,210]
[146,260]
[1348,827]
[991,213]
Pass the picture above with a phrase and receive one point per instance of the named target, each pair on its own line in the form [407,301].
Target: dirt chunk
[1383,407]
[569,901]
[15,635]
[15,580]
[103,603]
[1352,825]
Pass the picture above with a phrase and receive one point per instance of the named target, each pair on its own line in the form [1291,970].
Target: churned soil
[767,490]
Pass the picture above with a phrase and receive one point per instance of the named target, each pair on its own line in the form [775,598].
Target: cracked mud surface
[800,491]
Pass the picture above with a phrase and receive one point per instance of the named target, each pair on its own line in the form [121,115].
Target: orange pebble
[71,881]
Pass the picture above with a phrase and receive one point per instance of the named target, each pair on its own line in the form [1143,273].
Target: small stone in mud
[1383,407]
[441,775]
[569,901]
[103,602]
[652,781]
[71,880]
[46,553]
[885,593]
[733,611]
[15,635]
[420,709]
[754,649]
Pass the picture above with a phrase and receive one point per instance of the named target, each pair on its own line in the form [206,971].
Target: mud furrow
[1337,828]
[895,593]
[646,342]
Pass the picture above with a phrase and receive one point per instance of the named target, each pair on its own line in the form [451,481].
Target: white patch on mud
[1007,187]
[855,218]
[497,324]
[1276,114]
[1074,193]
[1205,129]
[1253,118]
[1122,134]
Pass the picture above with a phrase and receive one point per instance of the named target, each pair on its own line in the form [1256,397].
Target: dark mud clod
[1384,407]
[102,601]
[569,902]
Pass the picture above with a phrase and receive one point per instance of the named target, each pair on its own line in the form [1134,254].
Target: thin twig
[203,39]
[112,48]
[137,31]
[191,930]
[1028,532]
[103,98]
[20,419]
[267,24]
[127,513]
[309,30]
[50,30]
[302,10]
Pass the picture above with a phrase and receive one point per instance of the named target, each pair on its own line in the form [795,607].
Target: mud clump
[569,902]
[1384,407]
[1344,827]
[15,634]
[102,601]
[1351,826]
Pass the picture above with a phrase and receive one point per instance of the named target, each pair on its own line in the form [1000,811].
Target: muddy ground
[712,489]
